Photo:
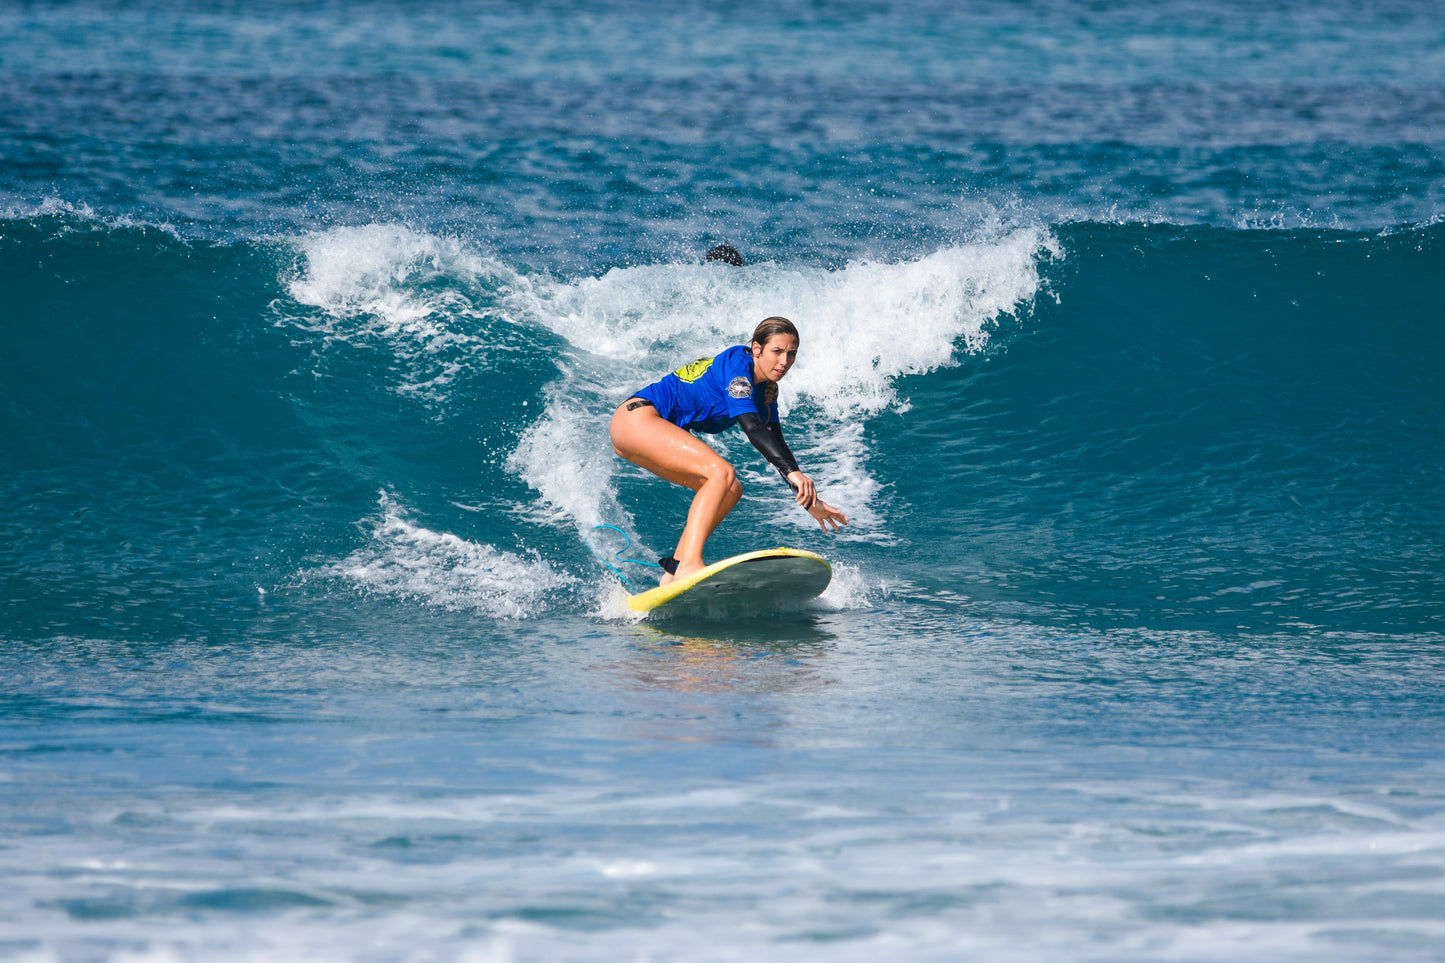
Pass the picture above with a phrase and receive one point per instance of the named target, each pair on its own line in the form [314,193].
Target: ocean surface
[1122,345]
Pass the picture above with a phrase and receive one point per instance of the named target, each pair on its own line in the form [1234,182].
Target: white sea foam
[381,271]
[406,560]
[422,298]
[849,589]
[72,214]
[863,325]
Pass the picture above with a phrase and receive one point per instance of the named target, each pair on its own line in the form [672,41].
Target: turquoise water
[1121,346]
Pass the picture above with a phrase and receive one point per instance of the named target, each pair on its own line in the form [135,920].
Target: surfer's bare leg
[703,517]
[646,439]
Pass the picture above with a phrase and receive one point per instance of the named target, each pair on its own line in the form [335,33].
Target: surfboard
[756,583]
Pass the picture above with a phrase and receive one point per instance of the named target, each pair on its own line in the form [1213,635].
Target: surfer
[653,429]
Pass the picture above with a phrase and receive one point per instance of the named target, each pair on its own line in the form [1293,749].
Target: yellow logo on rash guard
[692,372]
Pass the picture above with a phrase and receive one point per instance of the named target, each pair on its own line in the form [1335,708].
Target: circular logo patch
[740,387]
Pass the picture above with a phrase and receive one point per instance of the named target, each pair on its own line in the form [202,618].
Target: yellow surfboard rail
[653,598]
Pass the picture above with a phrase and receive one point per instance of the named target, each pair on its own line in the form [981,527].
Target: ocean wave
[405,560]
[1155,421]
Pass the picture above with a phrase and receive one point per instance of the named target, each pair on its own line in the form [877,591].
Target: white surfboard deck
[756,583]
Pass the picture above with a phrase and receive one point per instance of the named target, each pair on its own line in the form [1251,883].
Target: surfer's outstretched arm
[767,437]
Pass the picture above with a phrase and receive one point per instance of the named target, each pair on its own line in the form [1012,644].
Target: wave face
[1206,426]
[1107,424]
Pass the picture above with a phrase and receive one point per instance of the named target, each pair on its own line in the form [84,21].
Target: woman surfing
[653,429]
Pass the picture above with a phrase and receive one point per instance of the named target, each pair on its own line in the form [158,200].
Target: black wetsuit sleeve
[767,437]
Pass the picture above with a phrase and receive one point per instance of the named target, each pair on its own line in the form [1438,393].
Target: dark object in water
[727,254]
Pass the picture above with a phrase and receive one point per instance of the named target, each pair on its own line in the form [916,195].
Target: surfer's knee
[725,475]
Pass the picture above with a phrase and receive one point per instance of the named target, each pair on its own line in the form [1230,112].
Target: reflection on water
[752,659]
[715,682]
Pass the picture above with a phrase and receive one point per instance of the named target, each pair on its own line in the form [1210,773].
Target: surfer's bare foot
[667,577]
[684,569]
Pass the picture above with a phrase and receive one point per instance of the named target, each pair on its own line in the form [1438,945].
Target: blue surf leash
[617,556]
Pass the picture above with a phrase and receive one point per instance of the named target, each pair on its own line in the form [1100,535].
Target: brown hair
[773,326]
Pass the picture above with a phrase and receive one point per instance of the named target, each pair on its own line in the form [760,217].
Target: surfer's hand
[827,515]
[807,495]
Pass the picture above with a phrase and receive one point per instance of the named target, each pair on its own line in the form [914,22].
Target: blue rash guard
[712,394]
[709,394]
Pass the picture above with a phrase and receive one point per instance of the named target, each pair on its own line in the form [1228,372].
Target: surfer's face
[772,360]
